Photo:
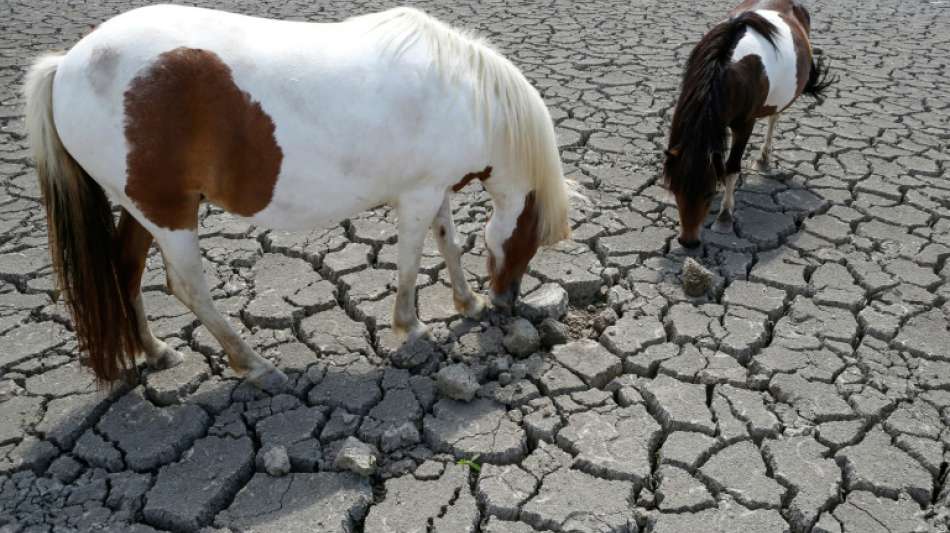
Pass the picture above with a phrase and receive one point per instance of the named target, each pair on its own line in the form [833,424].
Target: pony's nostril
[691,243]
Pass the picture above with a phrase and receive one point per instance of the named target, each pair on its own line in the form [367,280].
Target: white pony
[291,125]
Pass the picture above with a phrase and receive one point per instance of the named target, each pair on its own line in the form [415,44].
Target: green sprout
[470,463]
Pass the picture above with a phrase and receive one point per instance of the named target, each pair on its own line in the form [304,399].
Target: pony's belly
[304,203]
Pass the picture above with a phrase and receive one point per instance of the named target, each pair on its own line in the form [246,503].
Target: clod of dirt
[696,279]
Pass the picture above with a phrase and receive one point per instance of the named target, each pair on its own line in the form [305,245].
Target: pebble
[553,332]
[696,279]
[276,461]
[457,382]
[357,457]
[548,301]
[522,338]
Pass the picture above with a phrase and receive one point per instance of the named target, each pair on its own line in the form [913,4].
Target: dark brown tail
[82,239]
[819,79]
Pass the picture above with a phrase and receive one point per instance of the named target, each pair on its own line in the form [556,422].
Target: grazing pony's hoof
[416,332]
[412,331]
[724,223]
[473,308]
[166,358]
[268,379]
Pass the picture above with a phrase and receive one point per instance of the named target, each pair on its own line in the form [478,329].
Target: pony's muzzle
[506,300]
[688,243]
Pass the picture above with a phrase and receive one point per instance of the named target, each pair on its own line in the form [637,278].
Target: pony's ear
[672,152]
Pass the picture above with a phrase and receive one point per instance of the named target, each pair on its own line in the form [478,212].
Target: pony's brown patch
[519,248]
[781,6]
[481,176]
[193,133]
[748,86]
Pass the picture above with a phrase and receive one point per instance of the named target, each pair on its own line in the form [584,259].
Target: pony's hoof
[725,227]
[269,379]
[768,170]
[724,223]
[416,332]
[166,358]
[722,227]
[474,308]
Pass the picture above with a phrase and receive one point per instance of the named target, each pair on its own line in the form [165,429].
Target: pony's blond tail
[81,236]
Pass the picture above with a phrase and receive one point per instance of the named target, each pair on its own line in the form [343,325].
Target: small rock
[413,353]
[522,339]
[275,460]
[400,436]
[9,389]
[457,382]
[647,499]
[65,469]
[696,279]
[341,424]
[553,332]
[504,378]
[548,301]
[356,456]
[519,371]
[607,317]
[610,275]
[501,364]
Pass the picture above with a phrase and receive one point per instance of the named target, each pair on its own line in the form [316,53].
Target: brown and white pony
[292,125]
[753,65]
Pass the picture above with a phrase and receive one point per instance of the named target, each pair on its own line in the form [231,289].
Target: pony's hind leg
[133,242]
[467,302]
[765,157]
[740,137]
[186,277]
[415,210]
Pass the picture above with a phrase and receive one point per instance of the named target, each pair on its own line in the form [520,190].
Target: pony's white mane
[501,93]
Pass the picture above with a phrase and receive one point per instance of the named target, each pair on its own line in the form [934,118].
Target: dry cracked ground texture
[809,392]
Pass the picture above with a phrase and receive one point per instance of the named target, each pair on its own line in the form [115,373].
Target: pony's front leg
[186,278]
[740,137]
[415,210]
[467,302]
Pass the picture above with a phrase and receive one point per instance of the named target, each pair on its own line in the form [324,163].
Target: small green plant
[471,463]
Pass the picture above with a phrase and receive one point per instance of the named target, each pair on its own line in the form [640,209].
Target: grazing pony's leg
[467,302]
[765,157]
[186,277]
[740,137]
[133,242]
[415,210]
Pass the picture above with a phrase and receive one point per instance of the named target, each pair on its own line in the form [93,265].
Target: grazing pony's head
[525,180]
[694,163]
[527,214]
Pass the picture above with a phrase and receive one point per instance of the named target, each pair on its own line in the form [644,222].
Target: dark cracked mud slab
[809,392]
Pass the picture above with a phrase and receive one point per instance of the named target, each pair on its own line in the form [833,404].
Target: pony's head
[522,221]
[512,243]
[692,178]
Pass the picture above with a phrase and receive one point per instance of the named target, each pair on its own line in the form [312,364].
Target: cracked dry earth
[809,391]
